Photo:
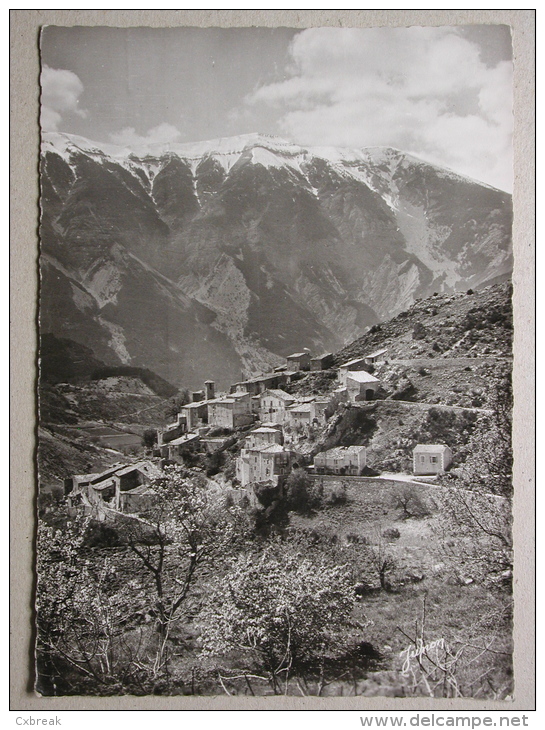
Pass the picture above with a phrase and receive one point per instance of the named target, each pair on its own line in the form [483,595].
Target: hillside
[443,356]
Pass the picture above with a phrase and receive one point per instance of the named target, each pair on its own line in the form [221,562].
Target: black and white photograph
[275,391]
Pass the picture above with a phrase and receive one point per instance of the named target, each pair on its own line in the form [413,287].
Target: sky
[443,94]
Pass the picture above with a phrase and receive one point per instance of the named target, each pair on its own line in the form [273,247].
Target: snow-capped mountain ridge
[229,150]
[225,255]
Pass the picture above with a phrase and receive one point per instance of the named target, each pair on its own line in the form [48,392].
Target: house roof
[429,448]
[141,489]
[378,352]
[264,429]
[301,407]
[99,486]
[321,357]
[352,362]
[146,467]
[342,451]
[361,376]
[185,439]
[196,404]
[224,400]
[298,354]
[84,477]
[272,449]
[278,393]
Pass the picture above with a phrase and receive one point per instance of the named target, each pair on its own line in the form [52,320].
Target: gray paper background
[24,144]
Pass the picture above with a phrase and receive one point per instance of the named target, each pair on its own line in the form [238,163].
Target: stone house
[348,460]
[118,489]
[375,357]
[307,411]
[263,436]
[322,362]
[176,449]
[195,415]
[431,459]
[300,415]
[132,485]
[273,404]
[264,464]
[257,385]
[232,411]
[172,431]
[299,361]
[356,365]
[361,385]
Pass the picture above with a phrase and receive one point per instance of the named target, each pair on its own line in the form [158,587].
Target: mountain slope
[216,257]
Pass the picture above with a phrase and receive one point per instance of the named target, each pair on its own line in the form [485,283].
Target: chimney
[210,389]
[197,396]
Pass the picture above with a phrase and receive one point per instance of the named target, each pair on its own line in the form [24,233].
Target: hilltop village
[271,421]
[295,417]
[350,496]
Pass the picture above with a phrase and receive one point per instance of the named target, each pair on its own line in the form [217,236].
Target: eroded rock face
[222,257]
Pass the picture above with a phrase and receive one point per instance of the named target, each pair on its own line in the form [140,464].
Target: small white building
[264,464]
[341,460]
[375,357]
[232,411]
[361,385]
[273,404]
[262,437]
[298,361]
[431,459]
[355,365]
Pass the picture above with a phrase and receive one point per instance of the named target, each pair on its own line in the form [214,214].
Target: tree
[176,534]
[149,438]
[85,621]
[302,493]
[274,619]
[382,561]
[409,501]
[105,618]
[477,507]
[489,465]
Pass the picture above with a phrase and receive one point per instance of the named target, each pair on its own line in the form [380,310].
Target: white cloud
[424,90]
[162,134]
[61,90]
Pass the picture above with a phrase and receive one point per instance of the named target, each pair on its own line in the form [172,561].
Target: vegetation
[312,586]
[273,619]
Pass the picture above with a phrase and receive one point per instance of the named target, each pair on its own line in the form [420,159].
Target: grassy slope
[442,352]
[424,573]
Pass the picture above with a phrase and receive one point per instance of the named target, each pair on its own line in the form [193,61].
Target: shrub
[391,533]
[368,471]
[302,494]
[409,501]
[354,539]
[419,331]
[337,495]
[149,438]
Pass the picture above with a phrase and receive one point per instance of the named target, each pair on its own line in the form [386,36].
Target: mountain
[208,259]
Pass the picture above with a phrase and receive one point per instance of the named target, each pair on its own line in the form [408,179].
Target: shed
[356,365]
[299,361]
[322,362]
[377,356]
[431,459]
